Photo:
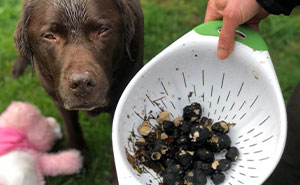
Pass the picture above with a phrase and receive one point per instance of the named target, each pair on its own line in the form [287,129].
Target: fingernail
[222,53]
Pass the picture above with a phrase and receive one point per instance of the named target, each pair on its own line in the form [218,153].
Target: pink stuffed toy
[25,137]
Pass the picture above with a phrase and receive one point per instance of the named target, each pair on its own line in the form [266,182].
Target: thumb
[226,38]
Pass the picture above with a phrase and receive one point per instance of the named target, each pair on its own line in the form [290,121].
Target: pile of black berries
[183,151]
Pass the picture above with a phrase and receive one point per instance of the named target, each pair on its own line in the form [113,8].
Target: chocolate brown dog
[85,52]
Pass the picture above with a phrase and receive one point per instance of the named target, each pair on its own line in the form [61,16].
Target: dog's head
[76,45]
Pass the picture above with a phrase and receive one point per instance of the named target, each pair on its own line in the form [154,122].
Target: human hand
[234,13]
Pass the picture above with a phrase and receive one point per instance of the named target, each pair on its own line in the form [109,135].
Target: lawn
[164,22]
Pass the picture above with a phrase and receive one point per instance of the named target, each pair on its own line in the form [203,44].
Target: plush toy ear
[55,126]
[133,24]
[21,35]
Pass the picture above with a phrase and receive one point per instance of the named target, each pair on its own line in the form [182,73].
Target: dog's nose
[81,83]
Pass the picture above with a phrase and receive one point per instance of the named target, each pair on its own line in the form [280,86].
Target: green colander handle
[245,36]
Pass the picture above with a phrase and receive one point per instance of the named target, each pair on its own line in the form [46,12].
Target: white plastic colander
[243,89]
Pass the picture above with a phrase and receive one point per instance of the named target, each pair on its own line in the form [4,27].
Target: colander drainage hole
[238,33]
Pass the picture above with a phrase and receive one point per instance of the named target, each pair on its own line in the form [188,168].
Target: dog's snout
[81,83]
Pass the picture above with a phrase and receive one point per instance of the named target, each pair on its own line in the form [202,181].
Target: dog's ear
[133,24]
[21,34]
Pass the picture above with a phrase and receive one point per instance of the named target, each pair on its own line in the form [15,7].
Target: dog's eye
[103,30]
[49,36]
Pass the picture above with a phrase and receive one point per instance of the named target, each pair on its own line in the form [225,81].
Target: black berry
[182,140]
[205,167]
[219,142]
[192,112]
[175,169]
[185,159]
[205,155]
[221,127]
[218,178]
[185,127]
[221,165]
[168,127]
[199,134]
[195,177]
[232,154]
[172,179]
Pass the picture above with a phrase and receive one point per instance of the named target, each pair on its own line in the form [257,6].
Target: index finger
[226,38]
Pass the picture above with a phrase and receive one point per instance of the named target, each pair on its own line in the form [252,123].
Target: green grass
[165,21]
[282,35]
